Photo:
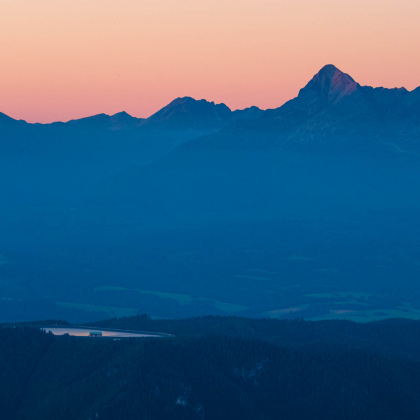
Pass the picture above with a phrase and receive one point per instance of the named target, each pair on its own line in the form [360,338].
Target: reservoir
[95,333]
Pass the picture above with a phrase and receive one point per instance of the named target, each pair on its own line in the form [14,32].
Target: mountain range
[63,159]
[191,115]
[331,108]
[170,213]
[337,148]
[205,156]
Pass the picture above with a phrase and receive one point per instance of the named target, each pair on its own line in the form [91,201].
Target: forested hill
[204,375]
[396,337]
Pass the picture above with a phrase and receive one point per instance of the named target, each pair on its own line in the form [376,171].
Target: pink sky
[64,59]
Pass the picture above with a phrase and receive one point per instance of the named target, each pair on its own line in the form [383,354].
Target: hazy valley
[201,210]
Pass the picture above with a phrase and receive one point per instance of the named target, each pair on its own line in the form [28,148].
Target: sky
[69,59]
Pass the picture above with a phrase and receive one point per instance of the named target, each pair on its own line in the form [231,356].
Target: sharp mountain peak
[331,84]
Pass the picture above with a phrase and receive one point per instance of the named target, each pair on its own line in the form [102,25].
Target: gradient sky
[64,59]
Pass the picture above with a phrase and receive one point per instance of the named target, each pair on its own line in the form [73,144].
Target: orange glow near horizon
[70,59]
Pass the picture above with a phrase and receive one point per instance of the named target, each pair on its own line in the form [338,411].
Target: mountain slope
[5,120]
[190,114]
[331,111]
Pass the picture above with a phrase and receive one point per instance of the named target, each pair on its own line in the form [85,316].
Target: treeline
[397,337]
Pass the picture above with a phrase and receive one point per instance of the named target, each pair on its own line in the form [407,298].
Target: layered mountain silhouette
[181,120]
[182,114]
[337,148]
[331,114]
[61,160]
[331,108]
[178,202]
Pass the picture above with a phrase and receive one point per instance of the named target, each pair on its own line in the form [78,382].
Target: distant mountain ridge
[337,147]
[181,114]
[333,108]
[190,114]
[331,113]
[198,197]
[119,121]
[187,113]
[60,160]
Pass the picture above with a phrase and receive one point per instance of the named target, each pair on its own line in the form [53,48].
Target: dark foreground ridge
[249,369]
